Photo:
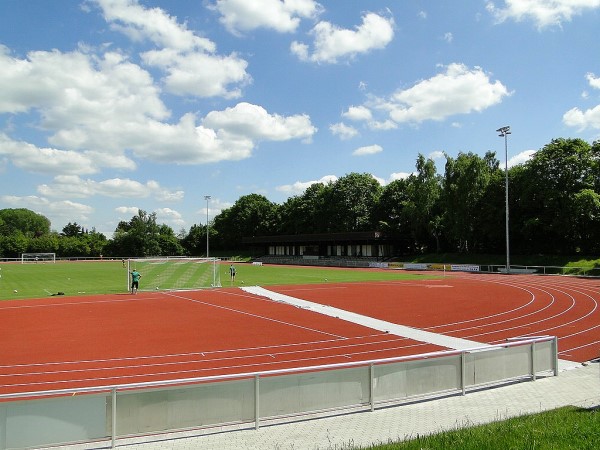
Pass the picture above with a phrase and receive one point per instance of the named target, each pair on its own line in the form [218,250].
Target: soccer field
[110,277]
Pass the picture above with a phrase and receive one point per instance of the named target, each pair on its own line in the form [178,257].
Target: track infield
[105,340]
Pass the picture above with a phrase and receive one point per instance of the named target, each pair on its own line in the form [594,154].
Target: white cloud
[382,125]
[45,160]
[543,13]
[448,37]
[589,118]
[140,23]
[593,80]
[368,150]
[521,158]
[64,210]
[332,43]
[189,60]
[133,210]
[253,122]
[200,74]
[344,131]
[436,154]
[74,186]
[96,109]
[300,186]
[358,113]
[169,216]
[582,120]
[399,176]
[458,90]
[364,114]
[282,16]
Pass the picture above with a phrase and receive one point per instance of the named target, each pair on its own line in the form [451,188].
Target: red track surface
[67,342]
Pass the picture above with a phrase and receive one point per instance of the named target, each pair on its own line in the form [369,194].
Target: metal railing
[109,413]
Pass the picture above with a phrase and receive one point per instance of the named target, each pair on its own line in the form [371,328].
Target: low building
[361,244]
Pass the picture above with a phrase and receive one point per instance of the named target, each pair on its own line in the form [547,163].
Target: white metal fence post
[114,418]
[256,402]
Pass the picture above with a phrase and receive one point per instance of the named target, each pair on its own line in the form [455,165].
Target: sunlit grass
[563,428]
[21,281]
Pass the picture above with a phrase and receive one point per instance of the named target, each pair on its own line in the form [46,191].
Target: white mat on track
[376,324]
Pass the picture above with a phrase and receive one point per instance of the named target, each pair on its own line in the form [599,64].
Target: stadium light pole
[504,132]
[207,198]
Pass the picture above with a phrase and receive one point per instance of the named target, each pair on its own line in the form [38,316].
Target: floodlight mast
[504,132]
[207,198]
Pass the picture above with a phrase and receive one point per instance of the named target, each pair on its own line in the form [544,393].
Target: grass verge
[563,428]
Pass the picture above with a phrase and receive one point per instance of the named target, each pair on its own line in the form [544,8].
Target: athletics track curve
[58,343]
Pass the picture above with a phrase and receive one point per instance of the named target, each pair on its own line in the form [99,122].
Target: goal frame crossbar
[38,257]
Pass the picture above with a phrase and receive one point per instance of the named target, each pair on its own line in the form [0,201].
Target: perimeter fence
[108,414]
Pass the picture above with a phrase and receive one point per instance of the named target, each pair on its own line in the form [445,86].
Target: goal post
[175,273]
[32,258]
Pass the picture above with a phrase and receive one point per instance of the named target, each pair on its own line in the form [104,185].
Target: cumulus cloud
[399,176]
[190,62]
[282,16]
[521,158]
[589,118]
[169,216]
[458,90]
[593,80]
[44,160]
[254,122]
[300,186]
[363,114]
[96,109]
[436,154]
[358,113]
[583,120]
[62,210]
[543,13]
[133,210]
[77,187]
[332,43]
[343,131]
[368,150]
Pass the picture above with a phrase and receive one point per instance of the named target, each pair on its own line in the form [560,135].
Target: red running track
[67,342]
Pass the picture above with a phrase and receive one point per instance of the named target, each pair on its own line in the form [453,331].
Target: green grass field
[110,277]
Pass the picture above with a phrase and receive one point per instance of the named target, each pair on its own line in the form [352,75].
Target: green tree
[251,215]
[142,236]
[422,208]
[25,221]
[351,202]
[553,187]
[48,243]
[194,241]
[12,245]
[306,213]
[72,229]
[465,182]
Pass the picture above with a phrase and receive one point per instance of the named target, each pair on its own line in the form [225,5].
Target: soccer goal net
[31,258]
[175,273]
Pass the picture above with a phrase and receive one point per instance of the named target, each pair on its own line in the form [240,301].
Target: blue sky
[107,106]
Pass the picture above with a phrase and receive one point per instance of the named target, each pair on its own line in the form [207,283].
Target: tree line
[554,208]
